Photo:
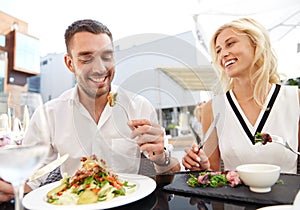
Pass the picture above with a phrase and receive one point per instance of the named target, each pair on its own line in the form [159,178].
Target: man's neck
[94,106]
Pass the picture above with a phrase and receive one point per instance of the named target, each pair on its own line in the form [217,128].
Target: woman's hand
[195,159]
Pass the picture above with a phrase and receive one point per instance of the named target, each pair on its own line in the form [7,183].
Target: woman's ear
[69,63]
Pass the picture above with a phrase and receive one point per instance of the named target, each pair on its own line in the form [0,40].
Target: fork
[283,142]
[124,109]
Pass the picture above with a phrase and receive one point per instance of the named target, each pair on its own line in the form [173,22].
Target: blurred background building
[19,60]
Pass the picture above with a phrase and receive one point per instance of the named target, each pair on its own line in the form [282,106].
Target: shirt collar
[74,97]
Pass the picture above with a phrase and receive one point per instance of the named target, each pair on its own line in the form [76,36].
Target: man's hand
[6,191]
[150,137]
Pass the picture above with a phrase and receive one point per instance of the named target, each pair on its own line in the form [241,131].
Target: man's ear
[69,63]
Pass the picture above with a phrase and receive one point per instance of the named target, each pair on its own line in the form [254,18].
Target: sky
[48,19]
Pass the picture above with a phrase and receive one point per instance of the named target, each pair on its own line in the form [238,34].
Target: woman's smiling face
[235,52]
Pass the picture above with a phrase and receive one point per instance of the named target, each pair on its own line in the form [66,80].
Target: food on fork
[262,137]
[92,183]
[112,98]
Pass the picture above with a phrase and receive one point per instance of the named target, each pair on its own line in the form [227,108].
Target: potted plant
[293,81]
[173,129]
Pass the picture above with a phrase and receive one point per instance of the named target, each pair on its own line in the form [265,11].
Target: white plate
[36,200]
[277,207]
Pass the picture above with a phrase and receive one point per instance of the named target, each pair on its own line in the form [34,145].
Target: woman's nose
[224,53]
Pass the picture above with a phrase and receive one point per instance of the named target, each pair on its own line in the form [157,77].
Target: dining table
[173,193]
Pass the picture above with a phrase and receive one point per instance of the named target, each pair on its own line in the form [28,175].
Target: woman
[254,102]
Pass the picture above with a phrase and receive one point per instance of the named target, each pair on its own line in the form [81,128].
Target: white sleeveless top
[236,147]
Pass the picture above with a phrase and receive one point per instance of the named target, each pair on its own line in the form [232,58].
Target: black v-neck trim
[262,121]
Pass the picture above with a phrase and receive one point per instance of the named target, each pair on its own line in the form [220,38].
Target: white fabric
[71,129]
[234,144]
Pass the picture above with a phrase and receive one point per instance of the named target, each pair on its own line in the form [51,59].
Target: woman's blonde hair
[264,60]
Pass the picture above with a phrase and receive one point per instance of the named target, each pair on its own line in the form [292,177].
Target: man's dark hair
[86,25]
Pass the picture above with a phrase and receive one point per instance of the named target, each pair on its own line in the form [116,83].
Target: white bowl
[259,177]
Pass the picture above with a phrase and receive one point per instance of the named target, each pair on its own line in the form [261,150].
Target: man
[81,122]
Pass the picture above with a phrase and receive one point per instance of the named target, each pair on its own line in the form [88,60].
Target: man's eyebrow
[108,51]
[84,53]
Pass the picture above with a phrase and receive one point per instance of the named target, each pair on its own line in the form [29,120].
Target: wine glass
[4,129]
[20,109]
[19,161]
[17,164]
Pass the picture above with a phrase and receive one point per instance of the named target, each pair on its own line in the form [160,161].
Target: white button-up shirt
[67,127]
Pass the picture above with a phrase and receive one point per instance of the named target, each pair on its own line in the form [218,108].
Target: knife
[210,129]
[49,167]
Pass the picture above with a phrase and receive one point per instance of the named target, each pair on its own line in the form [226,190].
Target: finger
[130,125]
[195,148]
[6,197]
[190,162]
[196,168]
[192,158]
[152,139]
[133,124]
[191,154]
[158,132]
[187,166]
[152,149]
[6,188]
[137,123]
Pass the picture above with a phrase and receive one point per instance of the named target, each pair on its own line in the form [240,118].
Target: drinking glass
[18,161]
[4,129]
[17,164]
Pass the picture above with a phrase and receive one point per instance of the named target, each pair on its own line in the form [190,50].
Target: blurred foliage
[293,81]
[172,126]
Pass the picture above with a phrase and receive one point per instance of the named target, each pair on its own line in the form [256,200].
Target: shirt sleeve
[39,132]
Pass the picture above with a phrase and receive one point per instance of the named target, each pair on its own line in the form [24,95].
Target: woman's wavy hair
[264,59]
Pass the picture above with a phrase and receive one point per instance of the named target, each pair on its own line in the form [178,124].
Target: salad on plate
[214,179]
[92,183]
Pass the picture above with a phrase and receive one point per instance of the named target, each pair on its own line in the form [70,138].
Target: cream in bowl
[259,177]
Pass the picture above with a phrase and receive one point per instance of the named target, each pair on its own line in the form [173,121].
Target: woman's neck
[243,91]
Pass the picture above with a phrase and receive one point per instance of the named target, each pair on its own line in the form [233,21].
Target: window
[27,54]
